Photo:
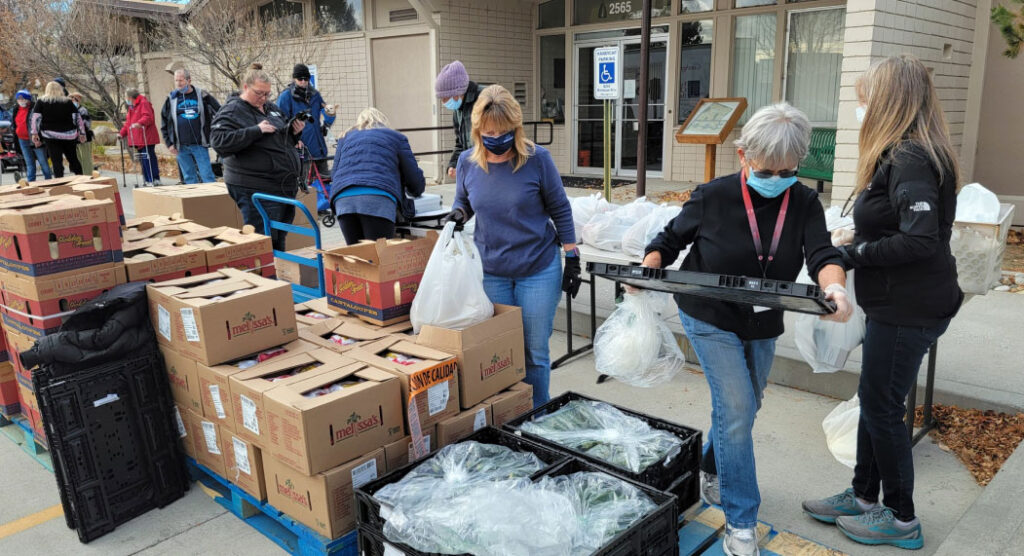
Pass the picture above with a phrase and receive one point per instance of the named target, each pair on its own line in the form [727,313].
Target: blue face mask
[769,188]
[184,90]
[453,104]
[501,144]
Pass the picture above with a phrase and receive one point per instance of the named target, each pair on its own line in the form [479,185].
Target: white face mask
[22,102]
[860,112]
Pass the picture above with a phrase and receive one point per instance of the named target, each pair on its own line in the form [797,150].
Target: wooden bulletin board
[711,121]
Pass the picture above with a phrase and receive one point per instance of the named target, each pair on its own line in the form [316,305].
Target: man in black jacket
[257,144]
[185,124]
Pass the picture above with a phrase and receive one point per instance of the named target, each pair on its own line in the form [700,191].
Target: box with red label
[454,429]
[49,235]
[247,387]
[377,280]
[342,334]
[100,187]
[183,376]
[511,403]
[333,416]
[9,403]
[183,424]
[158,260]
[41,303]
[223,315]
[159,227]
[400,453]
[315,311]
[243,462]
[18,343]
[232,248]
[208,443]
[325,502]
[30,411]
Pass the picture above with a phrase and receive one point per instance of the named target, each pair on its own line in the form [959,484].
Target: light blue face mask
[769,188]
[453,104]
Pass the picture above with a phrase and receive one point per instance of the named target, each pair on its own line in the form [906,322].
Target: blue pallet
[292,536]
[699,538]
[19,430]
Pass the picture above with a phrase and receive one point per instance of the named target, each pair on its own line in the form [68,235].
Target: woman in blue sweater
[374,169]
[524,223]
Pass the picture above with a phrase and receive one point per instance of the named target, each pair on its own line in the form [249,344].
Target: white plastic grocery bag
[585,208]
[635,345]
[974,203]
[826,345]
[451,293]
[840,427]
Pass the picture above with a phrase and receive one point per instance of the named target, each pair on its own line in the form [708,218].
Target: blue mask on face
[501,144]
[770,188]
[453,104]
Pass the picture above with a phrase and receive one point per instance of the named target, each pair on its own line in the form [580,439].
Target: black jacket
[267,162]
[714,221]
[169,119]
[906,274]
[462,119]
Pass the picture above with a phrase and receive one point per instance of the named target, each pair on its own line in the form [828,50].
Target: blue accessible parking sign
[607,81]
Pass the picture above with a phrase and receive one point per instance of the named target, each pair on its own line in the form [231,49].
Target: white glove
[844,309]
[842,236]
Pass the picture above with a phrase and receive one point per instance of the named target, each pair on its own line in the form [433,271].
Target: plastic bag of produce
[635,211]
[603,432]
[840,427]
[974,203]
[826,345]
[605,231]
[641,234]
[584,208]
[635,346]
[451,293]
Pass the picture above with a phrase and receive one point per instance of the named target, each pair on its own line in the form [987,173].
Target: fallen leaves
[981,439]
[673,197]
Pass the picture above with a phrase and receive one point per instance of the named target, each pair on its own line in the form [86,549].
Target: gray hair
[184,72]
[776,137]
[131,93]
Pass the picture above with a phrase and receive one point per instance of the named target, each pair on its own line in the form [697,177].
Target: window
[338,16]
[694,65]
[602,11]
[694,6]
[814,61]
[551,14]
[752,3]
[282,11]
[753,60]
[552,77]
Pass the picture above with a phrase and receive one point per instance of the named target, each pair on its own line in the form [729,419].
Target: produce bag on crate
[635,346]
[451,293]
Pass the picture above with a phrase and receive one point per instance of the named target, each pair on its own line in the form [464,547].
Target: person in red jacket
[140,130]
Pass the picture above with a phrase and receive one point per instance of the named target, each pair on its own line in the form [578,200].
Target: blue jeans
[737,373]
[278,212]
[892,357]
[537,295]
[150,165]
[194,161]
[34,154]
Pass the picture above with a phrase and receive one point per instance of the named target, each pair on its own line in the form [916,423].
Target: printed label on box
[182,433]
[218,405]
[364,473]
[249,420]
[241,456]
[426,445]
[164,321]
[210,433]
[480,421]
[437,398]
[188,320]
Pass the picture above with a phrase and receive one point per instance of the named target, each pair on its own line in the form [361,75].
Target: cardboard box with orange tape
[399,453]
[38,305]
[244,249]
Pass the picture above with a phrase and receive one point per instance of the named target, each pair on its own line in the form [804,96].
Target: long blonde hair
[498,109]
[902,108]
[53,92]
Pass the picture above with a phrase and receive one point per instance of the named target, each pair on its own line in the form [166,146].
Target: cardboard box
[511,403]
[41,303]
[17,343]
[377,280]
[248,386]
[215,383]
[398,454]
[299,241]
[183,376]
[315,434]
[101,188]
[208,443]
[159,227]
[432,380]
[183,422]
[295,273]
[341,334]
[325,502]
[49,235]
[454,429]
[233,248]
[315,311]
[175,258]
[243,462]
[9,403]
[30,411]
[208,204]
[491,354]
[222,315]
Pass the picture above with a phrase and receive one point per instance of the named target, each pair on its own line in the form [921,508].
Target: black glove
[458,216]
[571,276]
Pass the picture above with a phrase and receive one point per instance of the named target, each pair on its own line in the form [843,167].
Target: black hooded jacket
[265,161]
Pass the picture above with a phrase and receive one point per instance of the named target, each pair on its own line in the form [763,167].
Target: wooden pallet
[18,429]
[292,536]
[704,527]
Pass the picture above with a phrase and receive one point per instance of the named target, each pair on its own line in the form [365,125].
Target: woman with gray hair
[758,222]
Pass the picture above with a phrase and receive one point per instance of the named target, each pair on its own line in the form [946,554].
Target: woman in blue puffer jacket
[374,175]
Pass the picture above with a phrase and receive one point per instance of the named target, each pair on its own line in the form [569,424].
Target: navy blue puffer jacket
[380,158]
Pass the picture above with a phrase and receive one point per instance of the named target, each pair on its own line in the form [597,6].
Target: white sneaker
[710,492]
[740,542]
[147,184]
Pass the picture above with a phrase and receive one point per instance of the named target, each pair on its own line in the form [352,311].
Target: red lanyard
[752,220]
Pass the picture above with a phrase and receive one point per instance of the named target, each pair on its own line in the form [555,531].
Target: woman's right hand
[36,141]
[652,260]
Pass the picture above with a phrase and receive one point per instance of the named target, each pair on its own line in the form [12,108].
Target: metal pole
[641,136]
[607,150]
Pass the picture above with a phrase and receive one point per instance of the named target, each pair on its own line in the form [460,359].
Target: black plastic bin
[657,534]
[680,475]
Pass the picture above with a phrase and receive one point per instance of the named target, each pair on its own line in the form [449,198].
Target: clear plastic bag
[603,432]
[826,345]
[584,208]
[840,427]
[635,346]
[641,234]
[605,231]
[635,211]
[974,203]
[451,293]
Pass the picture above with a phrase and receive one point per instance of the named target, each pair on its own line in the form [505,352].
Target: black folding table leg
[570,352]
[928,418]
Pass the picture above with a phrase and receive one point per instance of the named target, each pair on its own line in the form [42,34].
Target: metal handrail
[536,126]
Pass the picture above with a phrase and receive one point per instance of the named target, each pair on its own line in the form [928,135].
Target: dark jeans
[69,149]
[892,357]
[150,164]
[357,227]
[277,212]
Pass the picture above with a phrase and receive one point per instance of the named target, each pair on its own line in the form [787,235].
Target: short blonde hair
[371,118]
[496,108]
[53,91]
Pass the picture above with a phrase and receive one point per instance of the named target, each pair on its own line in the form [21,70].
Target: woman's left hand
[571,276]
[844,309]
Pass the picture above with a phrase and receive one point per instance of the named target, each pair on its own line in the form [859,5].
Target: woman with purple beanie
[458,94]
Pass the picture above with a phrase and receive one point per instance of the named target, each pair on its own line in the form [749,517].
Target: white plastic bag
[584,208]
[451,293]
[974,203]
[834,219]
[635,345]
[640,235]
[635,211]
[826,345]
[840,427]
[605,231]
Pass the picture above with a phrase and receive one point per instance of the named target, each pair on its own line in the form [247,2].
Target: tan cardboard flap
[220,288]
[404,345]
[290,360]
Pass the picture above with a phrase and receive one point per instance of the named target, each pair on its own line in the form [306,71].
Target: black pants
[357,227]
[277,212]
[55,148]
[892,357]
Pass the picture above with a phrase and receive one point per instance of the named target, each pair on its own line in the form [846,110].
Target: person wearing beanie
[301,96]
[63,84]
[21,122]
[458,94]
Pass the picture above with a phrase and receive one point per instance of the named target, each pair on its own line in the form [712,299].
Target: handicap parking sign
[607,80]
[607,73]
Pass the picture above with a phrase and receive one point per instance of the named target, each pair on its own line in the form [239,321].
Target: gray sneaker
[710,492]
[879,527]
[740,542]
[828,509]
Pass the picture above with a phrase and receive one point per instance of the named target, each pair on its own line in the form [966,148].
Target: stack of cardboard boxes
[9,404]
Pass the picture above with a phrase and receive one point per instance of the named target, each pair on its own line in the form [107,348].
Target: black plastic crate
[113,441]
[657,534]
[369,507]
[679,475]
